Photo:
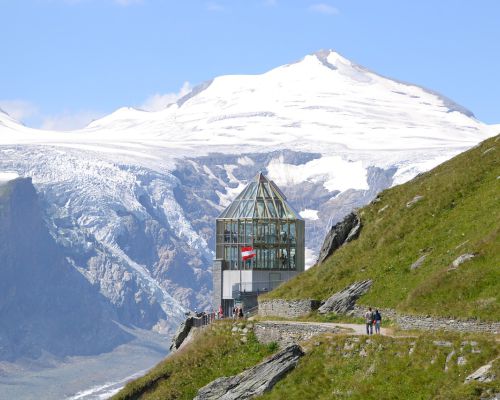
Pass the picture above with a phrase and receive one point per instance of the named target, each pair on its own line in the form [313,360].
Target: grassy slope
[331,369]
[458,214]
[212,354]
[334,367]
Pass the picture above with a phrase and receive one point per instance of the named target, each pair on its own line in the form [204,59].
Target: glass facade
[261,218]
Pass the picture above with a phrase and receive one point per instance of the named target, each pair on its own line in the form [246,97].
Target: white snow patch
[405,173]
[309,214]
[333,171]
[245,161]
[8,176]
[229,168]
[310,258]
[226,198]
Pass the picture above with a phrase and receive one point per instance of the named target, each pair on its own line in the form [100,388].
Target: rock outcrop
[460,260]
[418,263]
[345,300]
[414,201]
[182,333]
[339,234]
[254,381]
[482,374]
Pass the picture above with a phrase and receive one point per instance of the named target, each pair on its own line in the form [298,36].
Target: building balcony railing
[247,240]
[255,287]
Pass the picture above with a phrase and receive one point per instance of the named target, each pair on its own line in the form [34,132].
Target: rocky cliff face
[342,232]
[144,237]
[46,305]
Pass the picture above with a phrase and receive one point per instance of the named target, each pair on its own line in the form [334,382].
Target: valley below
[83,378]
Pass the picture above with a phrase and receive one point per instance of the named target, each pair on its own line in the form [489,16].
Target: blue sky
[65,62]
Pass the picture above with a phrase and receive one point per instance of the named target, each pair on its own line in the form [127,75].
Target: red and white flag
[247,253]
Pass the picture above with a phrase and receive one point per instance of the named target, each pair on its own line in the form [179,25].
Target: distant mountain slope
[450,211]
[131,199]
[46,306]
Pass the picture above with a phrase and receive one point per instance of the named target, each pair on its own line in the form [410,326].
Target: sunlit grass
[215,352]
[458,214]
[337,367]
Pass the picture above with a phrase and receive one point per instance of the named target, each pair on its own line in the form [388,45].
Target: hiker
[369,316]
[377,321]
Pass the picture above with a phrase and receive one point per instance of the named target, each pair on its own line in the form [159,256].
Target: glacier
[131,198]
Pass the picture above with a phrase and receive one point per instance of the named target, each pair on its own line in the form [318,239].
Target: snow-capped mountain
[131,199]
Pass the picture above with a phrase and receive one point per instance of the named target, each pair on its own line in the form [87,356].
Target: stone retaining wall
[387,313]
[284,333]
[422,322]
[287,308]
[409,322]
[296,308]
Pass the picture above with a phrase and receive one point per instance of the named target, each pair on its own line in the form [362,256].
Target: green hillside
[346,367]
[334,367]
[213,353]
[458,214]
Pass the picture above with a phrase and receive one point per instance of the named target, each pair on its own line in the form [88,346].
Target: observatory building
[259,244]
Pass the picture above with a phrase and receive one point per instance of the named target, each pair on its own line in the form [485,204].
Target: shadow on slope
[45,304]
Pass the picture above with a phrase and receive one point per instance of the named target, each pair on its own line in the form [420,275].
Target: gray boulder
[418,263]
[460,260]
[482,374]
[414,201]
[254,381]
[340,233]
[344,301]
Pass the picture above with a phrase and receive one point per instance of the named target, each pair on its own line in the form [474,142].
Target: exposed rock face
[340,233]
[414,201]
[46,305]
[254,381]
[143,236]
[460,260]
[344,301]
[483,374]
[418,263]
[182,333]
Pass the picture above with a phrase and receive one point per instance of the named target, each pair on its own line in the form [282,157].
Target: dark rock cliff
[345,231]
[46,305]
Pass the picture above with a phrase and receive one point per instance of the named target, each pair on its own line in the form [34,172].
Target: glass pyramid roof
[261,199]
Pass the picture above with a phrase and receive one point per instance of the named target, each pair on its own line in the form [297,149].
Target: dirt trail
[355,329]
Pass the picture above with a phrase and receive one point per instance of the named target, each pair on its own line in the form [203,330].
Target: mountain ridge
[131,201]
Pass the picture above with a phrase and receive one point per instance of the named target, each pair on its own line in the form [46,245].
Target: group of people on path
[372,318]
[238,312]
